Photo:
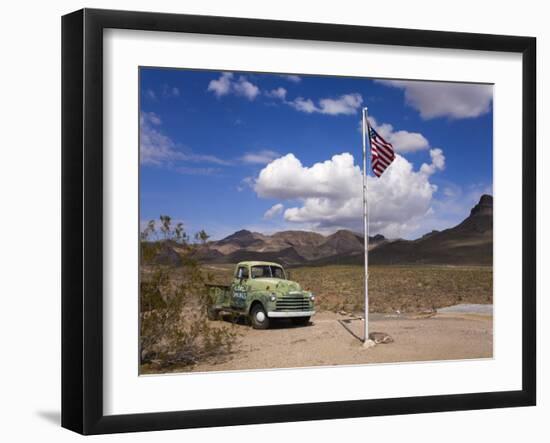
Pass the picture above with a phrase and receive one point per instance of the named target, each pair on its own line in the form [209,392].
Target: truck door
[238,289]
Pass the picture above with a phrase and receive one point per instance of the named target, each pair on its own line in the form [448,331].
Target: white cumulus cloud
[292,78]
[441,99]
[274,211]
[329,193]
[437,164]
[402,141]
[346,104]
[221,86]
[245,88]
[227,83]
[286,178]
[279,93]
[303,105]
[262,157]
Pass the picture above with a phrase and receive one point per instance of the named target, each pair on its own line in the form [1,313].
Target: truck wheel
[213,314]
[258,317]
[300,321]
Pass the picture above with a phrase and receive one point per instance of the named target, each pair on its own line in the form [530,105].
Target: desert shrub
[391,288]
[174,328]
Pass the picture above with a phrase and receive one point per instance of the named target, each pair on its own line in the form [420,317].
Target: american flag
[382,153]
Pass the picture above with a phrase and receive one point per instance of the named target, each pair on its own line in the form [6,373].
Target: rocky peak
[484,207]
[429,234]
[377,238]
[241,237]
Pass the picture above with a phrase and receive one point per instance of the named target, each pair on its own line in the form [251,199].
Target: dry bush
[174,329]
[392,288]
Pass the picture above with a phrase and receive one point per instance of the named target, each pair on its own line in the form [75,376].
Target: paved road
[468,309]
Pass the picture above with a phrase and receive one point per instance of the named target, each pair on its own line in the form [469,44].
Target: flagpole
[365,223]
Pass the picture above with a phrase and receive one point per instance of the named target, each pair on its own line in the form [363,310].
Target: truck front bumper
[290,314]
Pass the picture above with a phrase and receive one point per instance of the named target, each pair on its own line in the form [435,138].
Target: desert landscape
[333,339]
[432,296]
[468,243]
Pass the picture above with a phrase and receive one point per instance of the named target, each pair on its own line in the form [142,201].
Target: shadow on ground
[54,417]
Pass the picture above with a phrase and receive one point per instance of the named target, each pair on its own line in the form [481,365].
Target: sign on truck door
[238,289]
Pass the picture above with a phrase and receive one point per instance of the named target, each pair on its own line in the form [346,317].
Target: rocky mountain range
[470,242]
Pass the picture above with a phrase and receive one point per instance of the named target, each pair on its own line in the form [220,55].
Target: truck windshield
[264,271]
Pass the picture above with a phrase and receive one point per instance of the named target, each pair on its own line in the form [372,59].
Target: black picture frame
[82,218]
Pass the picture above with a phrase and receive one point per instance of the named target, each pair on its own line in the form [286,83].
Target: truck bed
[220,286]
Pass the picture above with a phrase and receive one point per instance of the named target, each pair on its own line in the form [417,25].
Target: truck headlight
[273,297]
[312,297]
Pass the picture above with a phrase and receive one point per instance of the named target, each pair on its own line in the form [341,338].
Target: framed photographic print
[269,221]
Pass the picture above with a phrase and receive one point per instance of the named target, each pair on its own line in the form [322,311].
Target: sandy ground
[459,333]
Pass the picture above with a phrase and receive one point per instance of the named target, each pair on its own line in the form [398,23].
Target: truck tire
[213,314]
[258,317]
[300,321]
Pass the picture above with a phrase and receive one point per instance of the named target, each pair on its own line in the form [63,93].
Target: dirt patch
[325,342]
[406,301]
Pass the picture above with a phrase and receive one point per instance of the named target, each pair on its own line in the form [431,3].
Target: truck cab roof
[258,263]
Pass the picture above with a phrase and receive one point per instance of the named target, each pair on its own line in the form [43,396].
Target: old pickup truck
[261,291]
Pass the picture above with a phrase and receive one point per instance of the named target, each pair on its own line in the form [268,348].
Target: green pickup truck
[261,291]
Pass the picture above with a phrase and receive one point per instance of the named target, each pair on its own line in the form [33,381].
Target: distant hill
[470,242]
[291,248]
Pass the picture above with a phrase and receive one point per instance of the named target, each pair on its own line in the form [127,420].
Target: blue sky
[227,151]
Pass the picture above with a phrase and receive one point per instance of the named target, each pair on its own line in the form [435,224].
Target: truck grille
[293,302]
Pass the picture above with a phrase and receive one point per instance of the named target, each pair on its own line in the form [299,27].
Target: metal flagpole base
[369,344]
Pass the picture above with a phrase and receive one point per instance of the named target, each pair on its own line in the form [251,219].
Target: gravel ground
[458,333]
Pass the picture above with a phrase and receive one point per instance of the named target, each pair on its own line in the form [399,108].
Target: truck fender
[254,302]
